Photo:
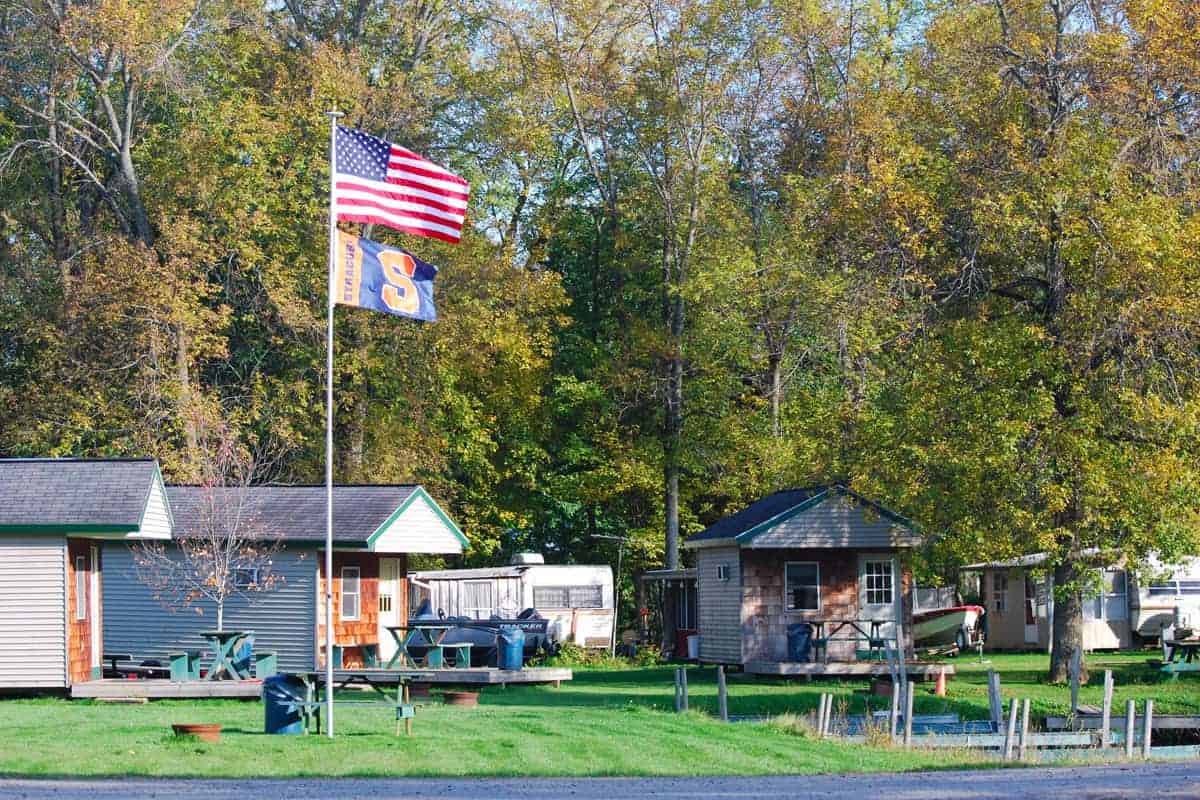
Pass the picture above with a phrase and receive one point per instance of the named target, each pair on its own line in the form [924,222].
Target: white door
[390,604]
[94,606]
[877,592]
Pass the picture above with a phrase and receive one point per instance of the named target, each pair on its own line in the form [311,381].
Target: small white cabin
[577,598]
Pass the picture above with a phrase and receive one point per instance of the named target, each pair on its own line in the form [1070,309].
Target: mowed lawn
[605,722]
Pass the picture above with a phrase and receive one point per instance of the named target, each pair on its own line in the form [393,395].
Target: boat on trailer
[957,626]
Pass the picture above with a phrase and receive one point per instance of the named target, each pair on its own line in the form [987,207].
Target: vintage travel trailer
[577,598]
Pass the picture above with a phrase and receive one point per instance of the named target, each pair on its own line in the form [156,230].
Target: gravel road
[1174,780]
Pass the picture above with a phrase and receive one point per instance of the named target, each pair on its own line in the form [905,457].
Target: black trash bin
[799,642]
[511,644]
[281,695]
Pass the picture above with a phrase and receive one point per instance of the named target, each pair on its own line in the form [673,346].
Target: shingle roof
[297,513]
[757,513]
[75,493]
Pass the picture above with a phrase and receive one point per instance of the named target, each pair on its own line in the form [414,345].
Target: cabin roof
[793,518]
[297,513]
[96,495]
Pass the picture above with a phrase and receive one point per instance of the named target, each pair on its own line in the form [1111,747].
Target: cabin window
[1000,591]
[722,572]
[568,596]
[351,593]
[245,578]
[1111,603]
[802,586]
[477,601]
[877,577]
[80,587]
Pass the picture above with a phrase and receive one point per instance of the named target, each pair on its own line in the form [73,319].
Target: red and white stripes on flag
[385,184]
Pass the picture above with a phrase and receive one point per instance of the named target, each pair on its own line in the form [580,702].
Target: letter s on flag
[383,278]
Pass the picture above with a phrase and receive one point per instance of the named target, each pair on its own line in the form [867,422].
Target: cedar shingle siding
[720,605]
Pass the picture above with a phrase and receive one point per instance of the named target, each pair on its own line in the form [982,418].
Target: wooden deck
[864,669]
[157,689]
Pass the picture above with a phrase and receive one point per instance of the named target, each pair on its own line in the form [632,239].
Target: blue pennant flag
[371,275]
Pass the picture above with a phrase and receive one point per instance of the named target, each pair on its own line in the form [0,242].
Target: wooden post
[821,717]
[1106,710]
[722,699]
[1011,732]
[828,715]
[1076,665]
[1023,746]
[994,703]
[908,714]
[894,711]
[1130,716]
[678,702]
[1147,728]
[407,720]
[683,690]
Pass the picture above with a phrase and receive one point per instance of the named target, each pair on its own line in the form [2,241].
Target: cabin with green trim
[819,554]
[57,515]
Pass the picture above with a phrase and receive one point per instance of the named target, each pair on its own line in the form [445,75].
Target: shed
[376,528]
[822,553]
[56,514]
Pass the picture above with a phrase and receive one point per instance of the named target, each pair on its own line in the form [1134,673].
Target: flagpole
[333,118]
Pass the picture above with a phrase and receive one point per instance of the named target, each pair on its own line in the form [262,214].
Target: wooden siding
[156,521]
[79,631]
[419,529]
[1006,629]
[33,604]
[719,605]
[283,620]
[839,521]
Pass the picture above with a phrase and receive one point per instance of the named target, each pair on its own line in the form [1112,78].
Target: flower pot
[204,731]
[470,699]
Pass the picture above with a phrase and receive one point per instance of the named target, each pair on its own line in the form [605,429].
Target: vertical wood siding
[283,620]
[33,605]
[719,605]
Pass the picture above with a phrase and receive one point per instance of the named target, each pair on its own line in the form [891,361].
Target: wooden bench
[266,663]
[185,665]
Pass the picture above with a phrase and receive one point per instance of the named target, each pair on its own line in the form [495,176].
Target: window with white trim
[568,596]
[81,574]
[1112,603]
[351,593]
[1000,592]
[877,582]
[478,599]
[801,586]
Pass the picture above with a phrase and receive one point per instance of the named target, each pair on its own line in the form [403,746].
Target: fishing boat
[959,626]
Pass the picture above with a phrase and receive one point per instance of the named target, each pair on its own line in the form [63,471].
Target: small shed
[55,516]
[814,554]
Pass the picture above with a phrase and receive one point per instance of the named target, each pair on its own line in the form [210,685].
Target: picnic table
[226,647]
[430,636]
[871,632]
[1181,655]
[316,691]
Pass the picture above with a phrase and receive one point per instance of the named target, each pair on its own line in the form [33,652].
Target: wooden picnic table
[429,635]
[872,633]
[225,646]
[316,692]
[1181,655]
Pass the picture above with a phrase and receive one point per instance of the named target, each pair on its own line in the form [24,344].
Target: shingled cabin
[824,555]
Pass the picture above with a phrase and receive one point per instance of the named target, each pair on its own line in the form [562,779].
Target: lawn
[605,722]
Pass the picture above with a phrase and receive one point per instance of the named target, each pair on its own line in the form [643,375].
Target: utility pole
[620,540]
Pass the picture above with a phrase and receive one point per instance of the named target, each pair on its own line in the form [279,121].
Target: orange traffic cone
[940,688]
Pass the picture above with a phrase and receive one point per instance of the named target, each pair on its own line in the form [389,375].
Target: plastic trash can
[511,642]
[799,642]
[694,647]
[281,693]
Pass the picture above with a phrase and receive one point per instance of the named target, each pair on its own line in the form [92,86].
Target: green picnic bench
[314,682]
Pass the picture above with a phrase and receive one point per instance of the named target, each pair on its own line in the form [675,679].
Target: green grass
[605,722]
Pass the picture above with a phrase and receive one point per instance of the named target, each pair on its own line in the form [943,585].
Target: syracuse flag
[371,275]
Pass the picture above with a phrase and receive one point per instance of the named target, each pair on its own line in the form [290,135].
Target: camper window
[802,589]
[568,597]
[350,593]
[477,601]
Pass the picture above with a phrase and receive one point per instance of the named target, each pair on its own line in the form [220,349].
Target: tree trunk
[775,370]
[186,406]
[1067,633]
[220,615]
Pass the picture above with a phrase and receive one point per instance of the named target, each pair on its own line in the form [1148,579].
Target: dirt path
[1175,780]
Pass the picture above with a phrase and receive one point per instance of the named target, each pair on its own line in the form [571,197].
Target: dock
[917,671]
[159,689]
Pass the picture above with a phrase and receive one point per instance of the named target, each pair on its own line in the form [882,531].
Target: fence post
[908,714]
[722,700]
[828,715]
[678,702]
[1011,731]
[894,711]
[994,703]
[1130,717]
[1147,728]
[683,690]
[1024,744]
[1106,710]
[821,716]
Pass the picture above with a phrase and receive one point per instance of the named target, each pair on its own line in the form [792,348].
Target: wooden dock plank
[866,669]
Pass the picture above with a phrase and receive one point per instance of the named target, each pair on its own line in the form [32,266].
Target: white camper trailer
[1167,597]
[578,599]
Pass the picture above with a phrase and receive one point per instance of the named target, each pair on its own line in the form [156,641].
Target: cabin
[577,598]
[1119,614]
[376,529]
[56,517]
[822,554]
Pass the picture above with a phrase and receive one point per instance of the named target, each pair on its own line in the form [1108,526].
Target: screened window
[568,596]
[351,593]
[80,587]
[802,586]
[477,599]
[1000,591]
[878,582]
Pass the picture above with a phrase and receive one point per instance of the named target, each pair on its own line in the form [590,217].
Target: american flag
[383,183]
